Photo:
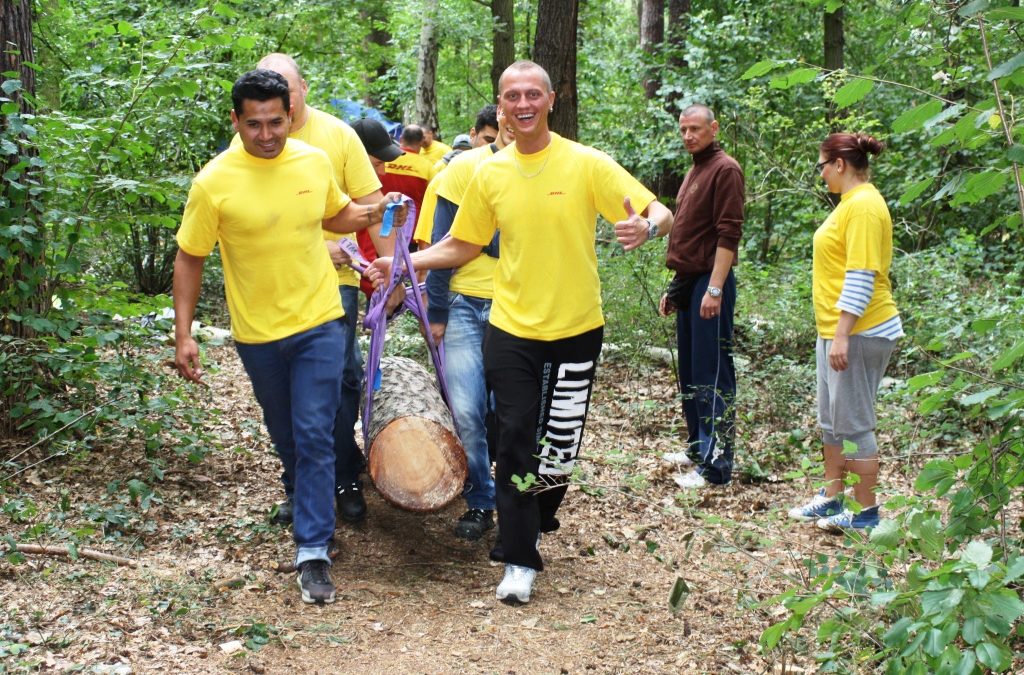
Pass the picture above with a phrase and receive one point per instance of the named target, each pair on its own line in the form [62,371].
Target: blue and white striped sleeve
[858,287]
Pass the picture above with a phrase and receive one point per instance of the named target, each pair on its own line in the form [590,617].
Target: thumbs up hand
[631,232]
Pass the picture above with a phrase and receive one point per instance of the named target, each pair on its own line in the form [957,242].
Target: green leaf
[11,86]
[1002,603]
[887,533]
[772,634]
[916,117]
[1016,153]
[979,186]
[966,664]
[992,656]
[793,78]
[915,190]
[982,326]
[680,591]
[923,380]
[973,630]
[1015,570]
[759,69]
[898,632]
[849,447]
[246,42]
[832,5]
[1007,67]
[1011,13]
[973,7]
[852,91]
[225,10]
[934,642]
[977,553]
[1009,357]
[980,396]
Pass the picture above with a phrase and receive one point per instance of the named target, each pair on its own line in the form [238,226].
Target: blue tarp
[353,110]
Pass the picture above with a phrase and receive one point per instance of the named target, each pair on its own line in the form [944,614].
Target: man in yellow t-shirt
[432,148]
[356,178]
[543,194]
[459,303]
[484,132]
[265,202]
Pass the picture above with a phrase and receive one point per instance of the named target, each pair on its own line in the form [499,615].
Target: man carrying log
[546,326]
[356,177]
[265,202]
[459,303]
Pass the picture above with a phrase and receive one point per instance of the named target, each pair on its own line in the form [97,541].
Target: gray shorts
[846,399]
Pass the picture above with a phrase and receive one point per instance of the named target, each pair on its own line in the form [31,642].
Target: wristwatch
[652,230]
[714,291]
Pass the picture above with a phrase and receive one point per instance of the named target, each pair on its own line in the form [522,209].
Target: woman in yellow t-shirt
[858,325]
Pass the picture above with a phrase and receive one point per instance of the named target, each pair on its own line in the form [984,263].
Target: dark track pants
[542,395]
[707,381]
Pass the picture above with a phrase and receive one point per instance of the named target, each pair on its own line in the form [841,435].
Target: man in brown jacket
[702,249]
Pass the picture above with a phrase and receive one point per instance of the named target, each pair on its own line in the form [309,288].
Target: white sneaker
[690,481]
[678,458]
[517,584]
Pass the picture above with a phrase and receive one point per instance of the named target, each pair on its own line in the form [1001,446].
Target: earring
[551,109]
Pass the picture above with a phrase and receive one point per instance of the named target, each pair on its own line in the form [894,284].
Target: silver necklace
[536,173]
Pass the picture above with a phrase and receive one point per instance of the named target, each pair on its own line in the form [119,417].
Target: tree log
[415,460]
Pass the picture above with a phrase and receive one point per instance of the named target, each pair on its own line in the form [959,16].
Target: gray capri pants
[846,399]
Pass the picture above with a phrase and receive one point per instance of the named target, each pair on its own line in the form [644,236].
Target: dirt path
[411,598]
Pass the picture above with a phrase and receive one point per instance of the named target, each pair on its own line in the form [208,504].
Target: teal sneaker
[819,507]
[848,520]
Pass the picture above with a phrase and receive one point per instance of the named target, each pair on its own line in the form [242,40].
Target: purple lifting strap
[377,320]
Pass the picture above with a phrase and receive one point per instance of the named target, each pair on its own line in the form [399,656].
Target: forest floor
[206,597]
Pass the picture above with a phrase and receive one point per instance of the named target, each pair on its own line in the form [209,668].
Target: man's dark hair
[487,117]
[259,85]
[411,135]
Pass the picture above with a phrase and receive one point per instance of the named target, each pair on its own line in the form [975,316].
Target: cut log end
[417,464]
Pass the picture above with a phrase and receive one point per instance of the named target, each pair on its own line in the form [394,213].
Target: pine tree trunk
[426,71]
[416,460]
[652,35]
[502,40]
[555,50]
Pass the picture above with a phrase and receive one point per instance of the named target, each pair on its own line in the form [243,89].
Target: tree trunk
[378,41]
[502,40]
[426,71]
[23,279]
[675,38]
[555,50]
[415,460]
[652,35]
[834,43]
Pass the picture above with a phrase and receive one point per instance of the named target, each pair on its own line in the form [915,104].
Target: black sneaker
[351,503]
[281,514]
[474,523]
[315,582]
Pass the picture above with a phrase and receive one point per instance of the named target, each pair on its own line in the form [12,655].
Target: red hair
[851,148]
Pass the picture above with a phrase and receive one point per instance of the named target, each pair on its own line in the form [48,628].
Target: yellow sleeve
[611,184]
[474,221]
[199,224]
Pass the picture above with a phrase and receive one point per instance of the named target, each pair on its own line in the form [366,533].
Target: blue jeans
[348,458]
[707,381]
[297,381]
[464,364]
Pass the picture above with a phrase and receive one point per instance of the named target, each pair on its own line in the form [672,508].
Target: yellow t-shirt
[352,169]
[857,235]
[546,285]
[425,218]
[475,278]
[437,151]
[267,216]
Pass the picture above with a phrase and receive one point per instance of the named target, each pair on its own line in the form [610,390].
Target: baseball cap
[377,140]
[462,142]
